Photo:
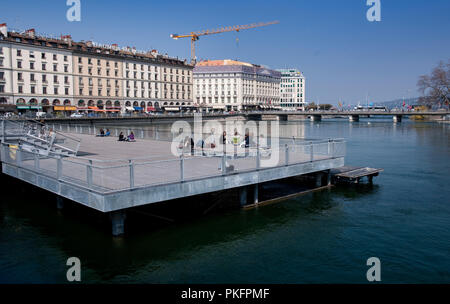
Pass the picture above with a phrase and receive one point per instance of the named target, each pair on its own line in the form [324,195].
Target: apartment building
[292,90]
[234,85]
[59,74]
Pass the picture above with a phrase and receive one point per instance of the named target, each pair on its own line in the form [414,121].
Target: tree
[311,105]
[436,86]
[325,106]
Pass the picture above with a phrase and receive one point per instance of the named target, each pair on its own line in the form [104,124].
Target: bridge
[257,115]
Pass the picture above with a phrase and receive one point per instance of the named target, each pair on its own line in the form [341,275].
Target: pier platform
[112,176]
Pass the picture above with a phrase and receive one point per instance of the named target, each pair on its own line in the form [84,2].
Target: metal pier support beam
[354,118]
[316,117]
[328,177]
[255,193]
[118,222]
[397,118]
[318,179]
[59,202]
[243,196]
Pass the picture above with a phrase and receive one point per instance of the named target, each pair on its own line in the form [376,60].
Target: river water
[322,237]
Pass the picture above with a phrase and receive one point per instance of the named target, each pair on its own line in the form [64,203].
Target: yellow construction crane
[195,35]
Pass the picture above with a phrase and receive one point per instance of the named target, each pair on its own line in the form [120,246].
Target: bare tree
[436,86]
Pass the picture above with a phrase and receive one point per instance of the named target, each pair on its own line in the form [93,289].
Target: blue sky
[342,55]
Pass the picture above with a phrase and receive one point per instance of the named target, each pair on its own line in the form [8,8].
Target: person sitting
[121,137]
[131,137]
[107,132]
[102,133]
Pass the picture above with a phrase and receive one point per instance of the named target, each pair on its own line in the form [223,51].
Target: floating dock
[354,175]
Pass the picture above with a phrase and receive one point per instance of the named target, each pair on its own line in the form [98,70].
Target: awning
[23,107]
[218,107]
[137,108]
[151,109]
[171,109]
[93,108]
[83,108]
[129,109]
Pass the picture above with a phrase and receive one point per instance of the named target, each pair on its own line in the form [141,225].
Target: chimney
[67,38]
[30,33]
[3,30]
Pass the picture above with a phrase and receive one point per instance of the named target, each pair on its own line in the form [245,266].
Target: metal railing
[106,176]
[38,135]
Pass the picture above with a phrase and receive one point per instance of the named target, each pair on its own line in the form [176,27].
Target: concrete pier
[59,202]
[316,117]
[255,194]
[118,222]
[397,118]
[353,118]
[114,176]
[243,196]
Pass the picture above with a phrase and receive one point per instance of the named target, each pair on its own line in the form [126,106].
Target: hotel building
[59,74]
[292,90]
[233,85]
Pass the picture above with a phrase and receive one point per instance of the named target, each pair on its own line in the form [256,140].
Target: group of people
[104,133]
[129,138]
[236,138]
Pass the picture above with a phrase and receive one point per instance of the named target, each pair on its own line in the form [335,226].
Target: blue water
[323,237]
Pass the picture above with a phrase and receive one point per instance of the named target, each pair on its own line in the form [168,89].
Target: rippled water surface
[403,219]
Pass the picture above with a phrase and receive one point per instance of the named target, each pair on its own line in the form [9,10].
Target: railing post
[59,168]
[286,151]
[182,167]
[19,156]
[224,164]
[36,160]
[89,173]
[311,152]
[131,164]
[3,131]
[331,145]
[258,157]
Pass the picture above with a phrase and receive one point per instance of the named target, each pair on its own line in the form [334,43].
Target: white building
[292,90]
[233,85]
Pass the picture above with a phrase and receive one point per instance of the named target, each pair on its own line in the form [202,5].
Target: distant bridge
[256,115]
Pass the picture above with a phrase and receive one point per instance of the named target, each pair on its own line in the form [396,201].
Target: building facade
[292,90]
[49,74]
[234,86]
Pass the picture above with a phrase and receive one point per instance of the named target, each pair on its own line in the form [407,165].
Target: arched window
[33,101]
[67,102]
[91,103]
[56,102]
[117,103]
[128,104]
[20,101]
[45,102]
[3,100]
[109,103]
[81,103]
[135,104]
